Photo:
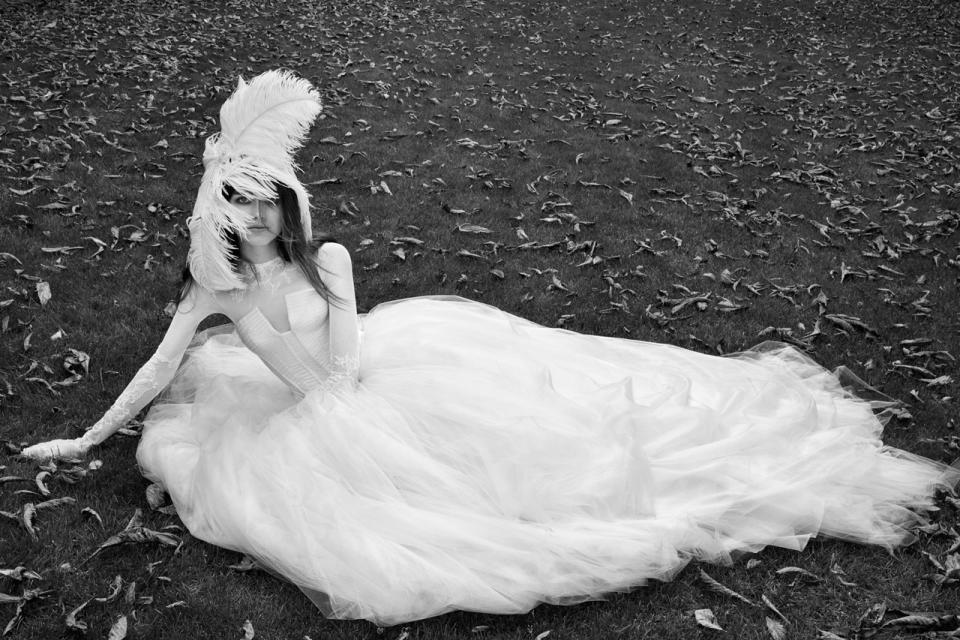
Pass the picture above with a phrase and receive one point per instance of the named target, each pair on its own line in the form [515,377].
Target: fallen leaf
[41,480]
[20,574]
[43,292]
[72,622]
[715,586]
[119,629]
[769,604]
[116,585]
[136,533]
[776,629]
[91,513]
[246,564]
[706,618]
[473,228]
[799,572]
[923,622]
[155,496]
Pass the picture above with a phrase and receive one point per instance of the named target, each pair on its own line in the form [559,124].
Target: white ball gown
[482,462]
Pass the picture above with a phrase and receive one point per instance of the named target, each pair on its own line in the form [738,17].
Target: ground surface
[710,174]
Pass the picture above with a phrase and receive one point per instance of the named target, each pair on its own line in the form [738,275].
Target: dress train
[487,463]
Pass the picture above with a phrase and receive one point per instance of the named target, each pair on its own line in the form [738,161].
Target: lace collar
[263,272]
[270,276]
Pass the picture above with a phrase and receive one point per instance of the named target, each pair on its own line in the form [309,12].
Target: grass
[719,120]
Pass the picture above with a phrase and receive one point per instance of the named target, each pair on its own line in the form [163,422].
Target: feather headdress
[262,124]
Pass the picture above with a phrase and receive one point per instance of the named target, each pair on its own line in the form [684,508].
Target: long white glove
[152,377]
[75,448]
[344,348]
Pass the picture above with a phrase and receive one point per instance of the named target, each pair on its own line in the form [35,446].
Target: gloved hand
[75,448]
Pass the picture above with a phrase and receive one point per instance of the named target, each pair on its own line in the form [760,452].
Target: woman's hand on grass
[74,448]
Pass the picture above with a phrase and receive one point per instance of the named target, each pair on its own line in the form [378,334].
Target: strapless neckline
[298,355]
[255,311]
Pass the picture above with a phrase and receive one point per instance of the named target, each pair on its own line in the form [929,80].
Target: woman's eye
[241,200]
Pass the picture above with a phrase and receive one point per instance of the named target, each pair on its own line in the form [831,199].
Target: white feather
[212,220]
[269,117]
[262,125]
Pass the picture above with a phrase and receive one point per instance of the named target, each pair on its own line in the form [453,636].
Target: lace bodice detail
[300,356]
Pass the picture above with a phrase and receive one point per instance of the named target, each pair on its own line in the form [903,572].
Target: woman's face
[264,219]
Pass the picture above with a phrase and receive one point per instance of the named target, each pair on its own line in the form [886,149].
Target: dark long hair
[292,244]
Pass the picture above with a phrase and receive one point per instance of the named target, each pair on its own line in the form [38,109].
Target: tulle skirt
[486,463]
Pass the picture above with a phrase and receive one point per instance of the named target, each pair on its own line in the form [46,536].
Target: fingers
[34,452]
[50,450]
[42,451]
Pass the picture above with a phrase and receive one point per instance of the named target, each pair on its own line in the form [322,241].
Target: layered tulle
[486,463]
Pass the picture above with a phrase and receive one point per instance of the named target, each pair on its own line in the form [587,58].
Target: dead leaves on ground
[29,518]
[26,516]
[157,500]
[119,591]
[26,597]
[133,533]
[817,113]
[136,533]
[877,620]
[512,130]
[948,568]
[713,585]
[776,626]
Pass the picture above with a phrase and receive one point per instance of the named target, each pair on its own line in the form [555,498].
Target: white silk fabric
[482,462]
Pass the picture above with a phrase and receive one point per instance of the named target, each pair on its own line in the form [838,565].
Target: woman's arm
[336,271]
[152,377]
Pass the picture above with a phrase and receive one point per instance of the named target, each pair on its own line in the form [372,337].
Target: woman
[463,458]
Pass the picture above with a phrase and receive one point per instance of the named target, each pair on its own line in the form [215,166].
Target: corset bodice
[299,356]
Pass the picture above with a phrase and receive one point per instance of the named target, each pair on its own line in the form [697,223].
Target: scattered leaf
[473,228]
[73,623]
[136,533]
[776,629]
[246,564]
[119,629]
[717,587]
[43,292]
[706,618]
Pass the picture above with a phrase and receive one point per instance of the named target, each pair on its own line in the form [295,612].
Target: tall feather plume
[263,123]
[269,117]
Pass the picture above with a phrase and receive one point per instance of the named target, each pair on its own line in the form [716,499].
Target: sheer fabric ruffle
[486,463]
